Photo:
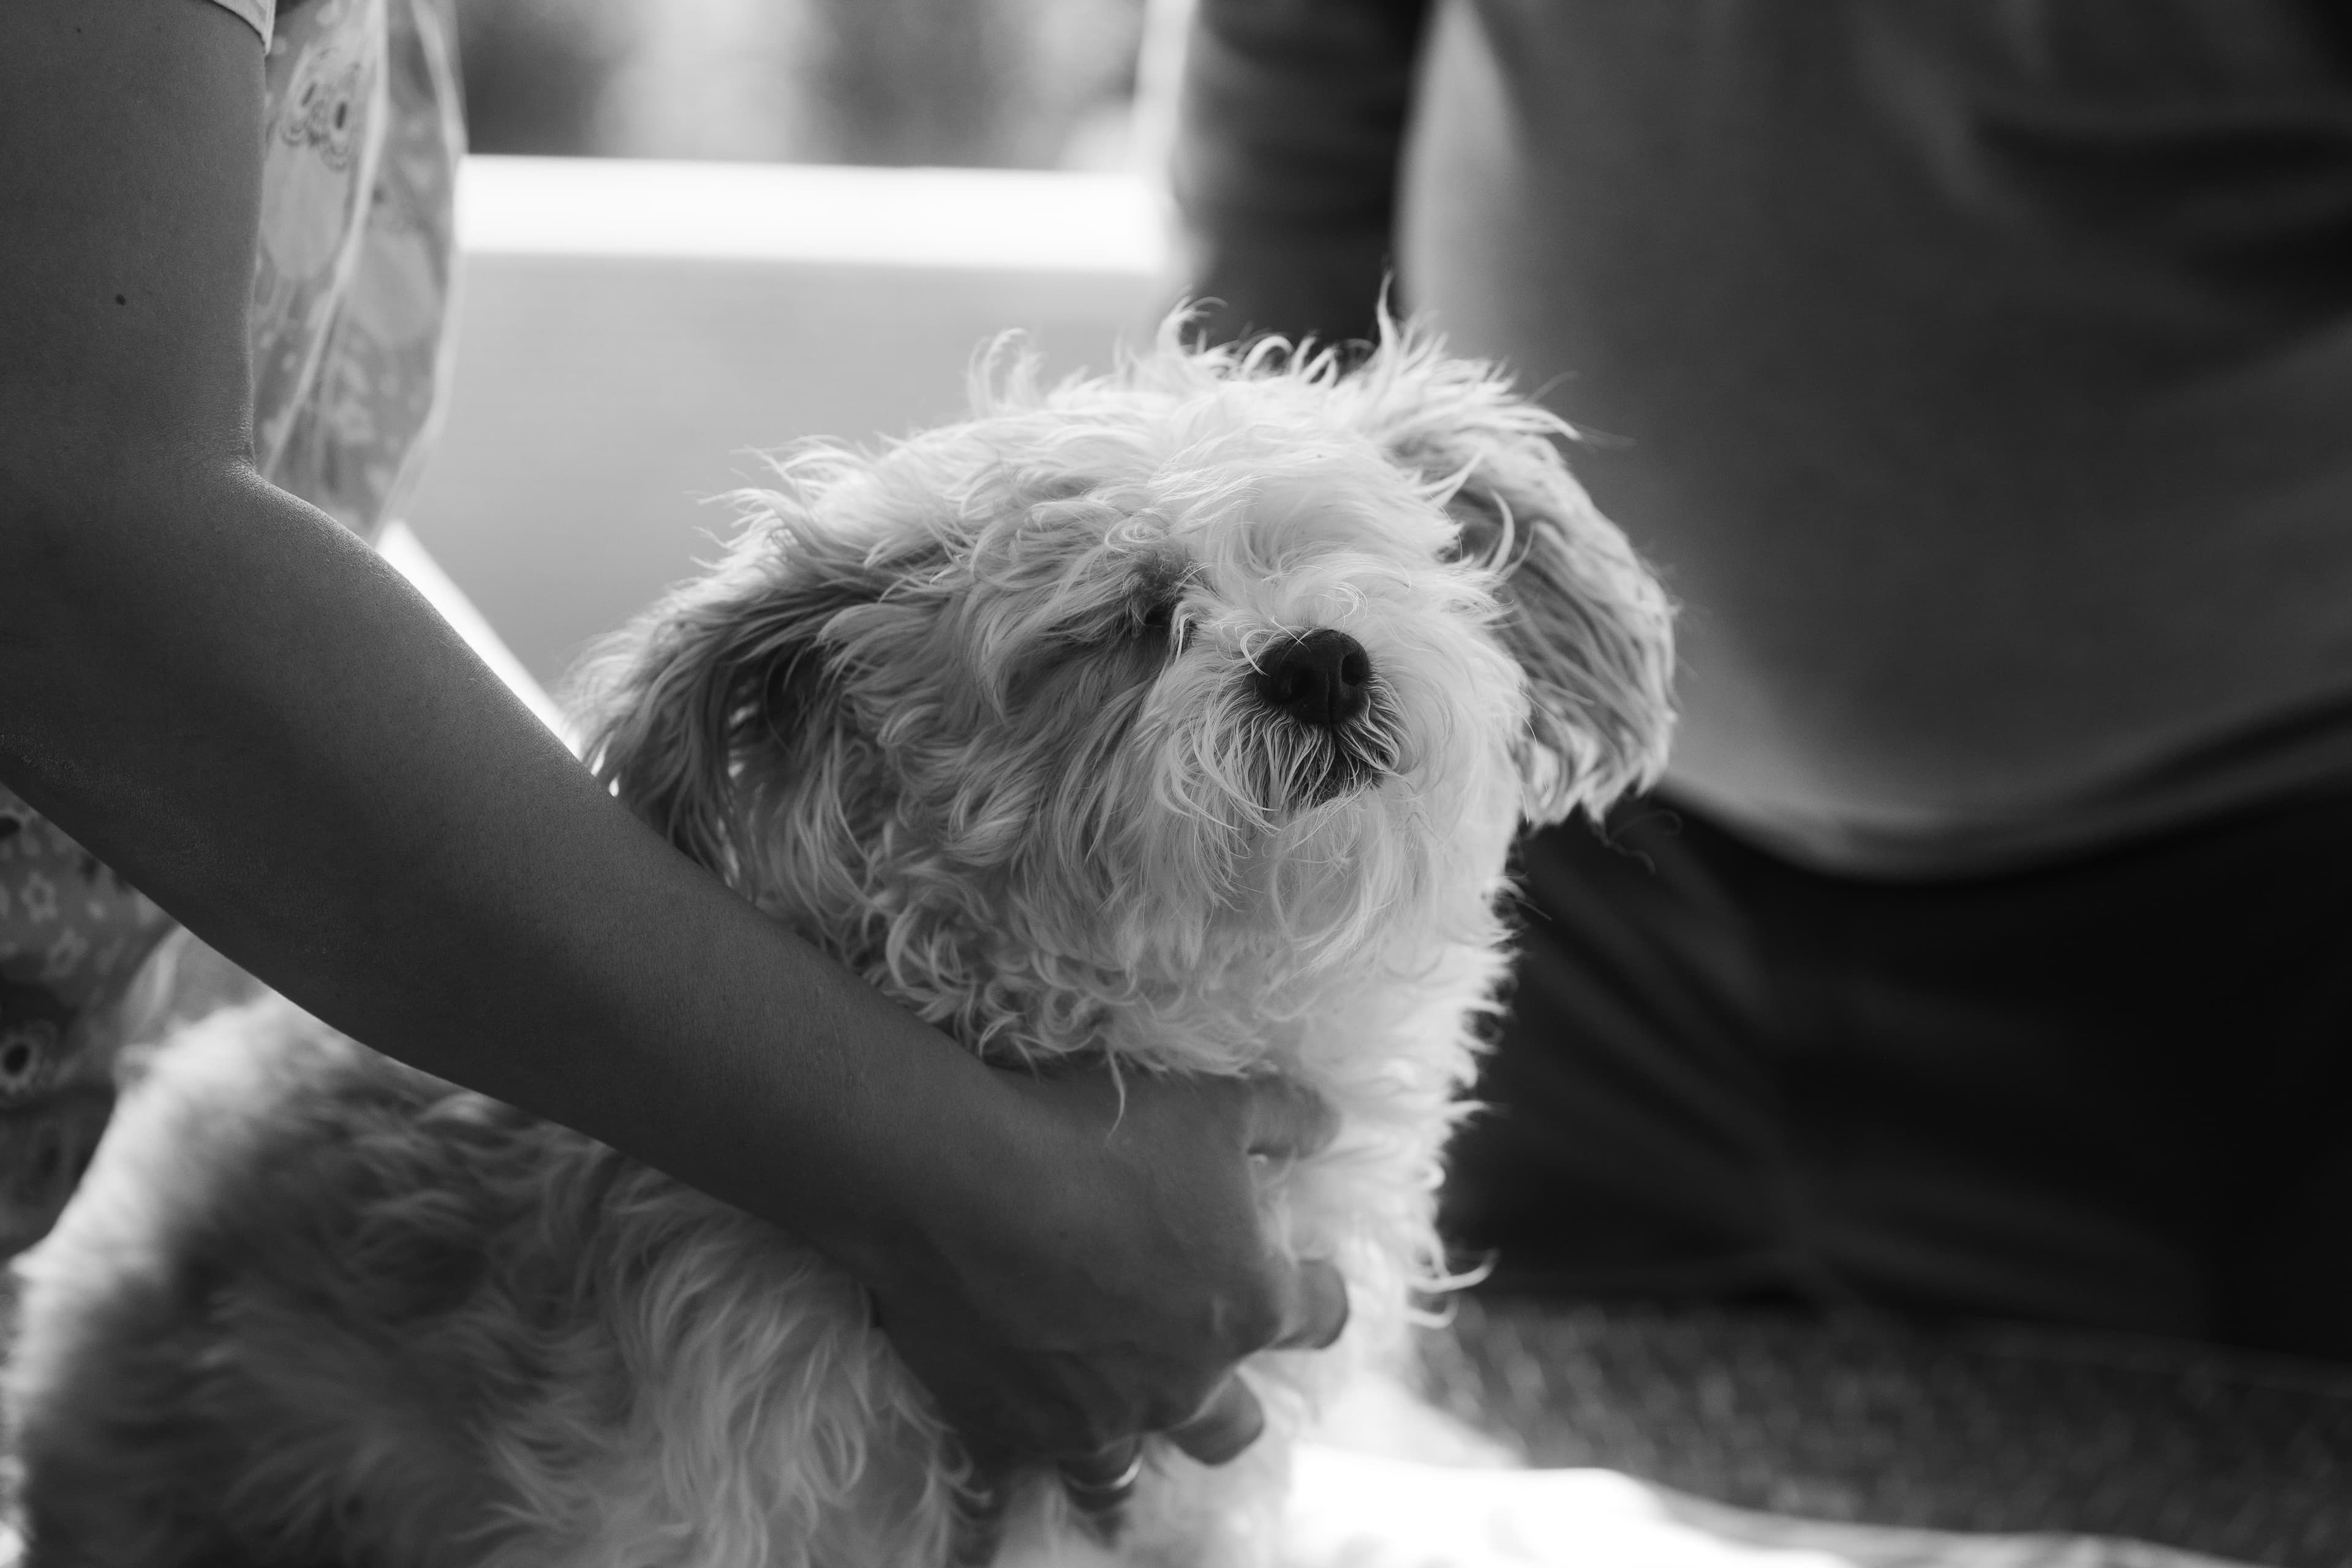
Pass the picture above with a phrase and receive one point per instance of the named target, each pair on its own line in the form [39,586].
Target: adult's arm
[1290,120]
[239,707]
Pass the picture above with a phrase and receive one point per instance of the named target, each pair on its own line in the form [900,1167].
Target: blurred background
[1013,84]
[694,230]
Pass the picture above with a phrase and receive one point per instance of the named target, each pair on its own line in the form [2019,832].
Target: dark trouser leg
[2110,1092]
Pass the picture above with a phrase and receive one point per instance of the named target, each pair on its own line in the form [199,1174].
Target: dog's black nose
[1321,677]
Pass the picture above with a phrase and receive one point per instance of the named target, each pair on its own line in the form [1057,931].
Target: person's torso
[1979,376]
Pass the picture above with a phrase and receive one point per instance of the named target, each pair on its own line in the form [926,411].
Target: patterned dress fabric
[350,338]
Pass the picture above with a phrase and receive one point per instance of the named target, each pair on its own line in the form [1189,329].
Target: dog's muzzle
[1324,683]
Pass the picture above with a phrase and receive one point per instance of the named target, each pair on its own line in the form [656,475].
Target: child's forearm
[233,704]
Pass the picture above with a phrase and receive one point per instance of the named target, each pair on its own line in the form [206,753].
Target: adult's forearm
[234,703]
[1291,119]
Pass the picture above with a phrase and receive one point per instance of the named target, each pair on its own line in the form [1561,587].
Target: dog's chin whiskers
[1310,766]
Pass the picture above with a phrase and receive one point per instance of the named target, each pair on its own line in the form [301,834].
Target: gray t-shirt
[1978,375]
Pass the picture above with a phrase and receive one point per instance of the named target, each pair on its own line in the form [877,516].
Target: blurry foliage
[1000,83]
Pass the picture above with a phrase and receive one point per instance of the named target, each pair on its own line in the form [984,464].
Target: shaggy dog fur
[993,715]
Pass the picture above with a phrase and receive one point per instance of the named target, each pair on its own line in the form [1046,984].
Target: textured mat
[1865,1419]
[1354,1510]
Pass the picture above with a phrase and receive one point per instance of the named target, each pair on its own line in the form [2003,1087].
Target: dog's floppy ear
[724,692]
[1584,619]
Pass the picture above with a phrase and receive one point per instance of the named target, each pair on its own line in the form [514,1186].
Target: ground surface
[1861,1418]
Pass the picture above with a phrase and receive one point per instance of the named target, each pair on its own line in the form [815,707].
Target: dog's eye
[1157,619]
[1480,533]
[1156,604]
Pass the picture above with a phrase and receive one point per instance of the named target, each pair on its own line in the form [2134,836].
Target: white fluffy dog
[1184,715]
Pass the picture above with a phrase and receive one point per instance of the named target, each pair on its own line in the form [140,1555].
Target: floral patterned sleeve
[349,329]
[71,934]
[352,285]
